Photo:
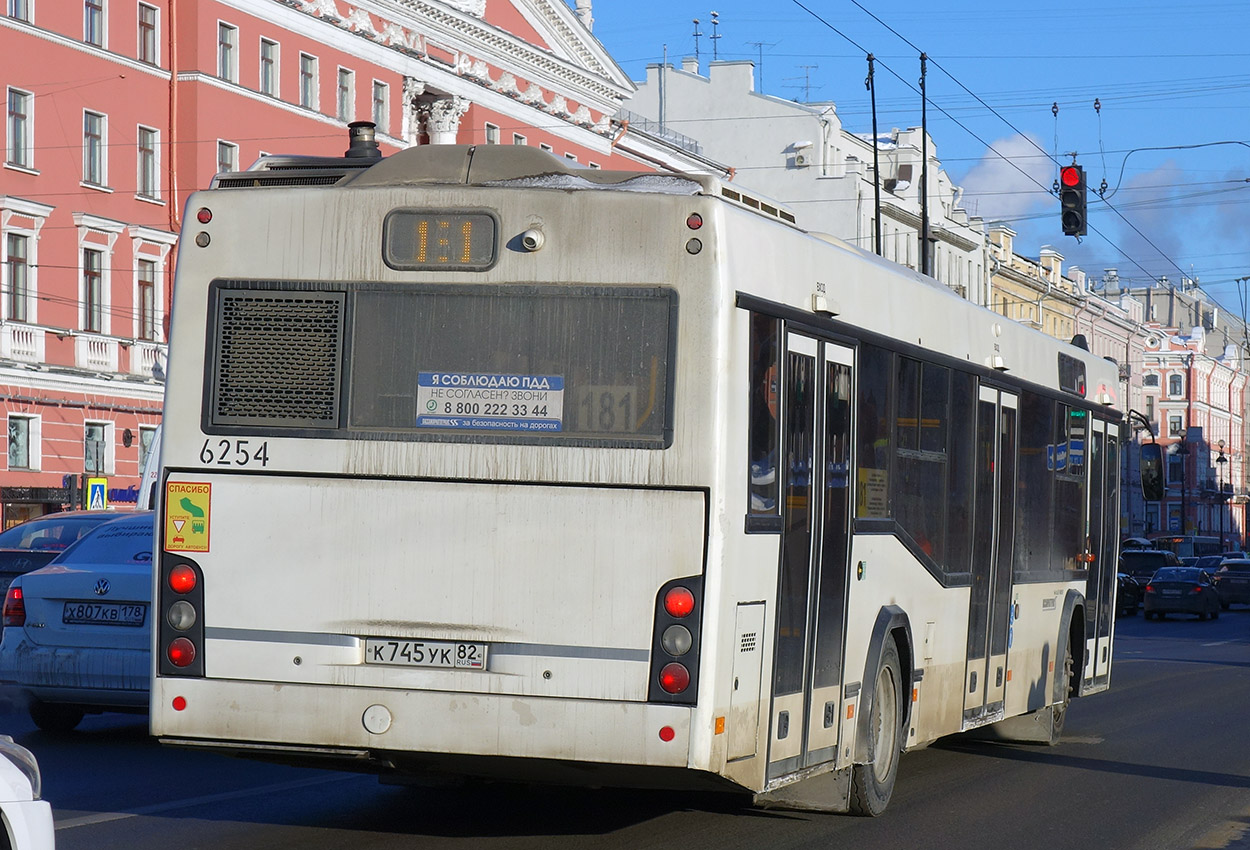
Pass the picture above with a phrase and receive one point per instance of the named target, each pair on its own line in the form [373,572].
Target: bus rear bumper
[383,729]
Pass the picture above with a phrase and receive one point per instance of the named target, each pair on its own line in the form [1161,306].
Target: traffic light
[1072,199]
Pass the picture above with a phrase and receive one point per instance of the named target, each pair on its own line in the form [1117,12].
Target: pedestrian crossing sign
[97,494]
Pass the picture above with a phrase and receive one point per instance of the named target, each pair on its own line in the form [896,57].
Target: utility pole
[697,34]
[876,159]
[759,49]
[924,170]
[715,36]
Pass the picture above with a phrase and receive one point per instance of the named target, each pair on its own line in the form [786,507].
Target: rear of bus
[435,469]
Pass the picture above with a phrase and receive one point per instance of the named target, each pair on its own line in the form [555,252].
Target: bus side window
[872,481]
[762,410]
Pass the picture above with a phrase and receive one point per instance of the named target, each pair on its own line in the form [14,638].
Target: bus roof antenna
[362,141]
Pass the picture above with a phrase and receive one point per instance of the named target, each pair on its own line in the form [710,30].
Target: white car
[27,820]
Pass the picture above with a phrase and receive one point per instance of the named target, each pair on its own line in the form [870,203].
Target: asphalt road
[1160,762]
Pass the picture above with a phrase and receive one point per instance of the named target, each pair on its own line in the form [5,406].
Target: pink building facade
[1195,402]
[118,109]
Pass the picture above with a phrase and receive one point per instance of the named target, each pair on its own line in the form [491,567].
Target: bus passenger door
[811,602]
[1104,528]
[993,536]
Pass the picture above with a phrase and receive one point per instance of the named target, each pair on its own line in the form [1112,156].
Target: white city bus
[479,464]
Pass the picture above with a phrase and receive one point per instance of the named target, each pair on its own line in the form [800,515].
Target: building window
[1176,469]
[307,81]
[20,9]
[594,165]
[93,22]
[149,187]
[381,107]
[518,139]
[97,448]
[147,299]
[93,129]
[23,442]
[1176,385]
[148,42]
[346,100]
[268,67]
[547,148]
[227,53]
[147,434]
[1174,426]
[227,157]
[16,277]
[93,290]
[1150,380]
[19,134]
[492,134]
[572,157]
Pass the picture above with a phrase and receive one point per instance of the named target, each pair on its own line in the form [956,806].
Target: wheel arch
[1072,630]
[892,624]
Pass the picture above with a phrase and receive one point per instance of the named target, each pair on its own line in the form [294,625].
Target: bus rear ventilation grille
[259,180]
[279,359]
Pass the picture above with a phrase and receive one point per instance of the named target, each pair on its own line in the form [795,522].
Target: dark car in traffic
[1181,590]
[1232,582]
[1127,595]
[1142,564]
[31,544]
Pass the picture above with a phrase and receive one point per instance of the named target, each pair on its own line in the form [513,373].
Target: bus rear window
[591,365]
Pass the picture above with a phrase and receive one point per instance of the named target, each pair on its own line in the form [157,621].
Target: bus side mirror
[1152,472]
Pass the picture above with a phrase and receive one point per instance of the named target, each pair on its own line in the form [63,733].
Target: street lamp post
[1221,460]
[1182,449]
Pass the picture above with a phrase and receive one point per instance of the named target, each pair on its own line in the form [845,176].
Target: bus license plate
[426,653]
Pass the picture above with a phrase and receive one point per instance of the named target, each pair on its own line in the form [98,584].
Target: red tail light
[1150,588]
[182,579]
[14,607]
[678,602]
[181,652]
[1197,589]
[674,678]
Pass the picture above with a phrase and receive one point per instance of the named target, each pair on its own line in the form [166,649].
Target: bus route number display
[425,240]
[482,401]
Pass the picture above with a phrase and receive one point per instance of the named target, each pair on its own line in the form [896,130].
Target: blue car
[77,631]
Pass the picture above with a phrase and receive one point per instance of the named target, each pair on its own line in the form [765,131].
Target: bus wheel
[1059,711]
[873,783]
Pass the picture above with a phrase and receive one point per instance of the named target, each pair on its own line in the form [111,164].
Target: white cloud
[1011,181]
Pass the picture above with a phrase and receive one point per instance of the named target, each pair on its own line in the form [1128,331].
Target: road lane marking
[106,817]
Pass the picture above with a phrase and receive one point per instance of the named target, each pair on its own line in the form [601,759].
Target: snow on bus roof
[651,183]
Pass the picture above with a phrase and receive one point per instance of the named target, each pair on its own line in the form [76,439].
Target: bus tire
[872,784]
[1059,711]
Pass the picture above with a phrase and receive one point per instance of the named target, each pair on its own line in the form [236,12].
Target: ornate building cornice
[451,37]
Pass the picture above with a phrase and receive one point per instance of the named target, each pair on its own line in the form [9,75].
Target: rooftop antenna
[715,35]
[759,48]
[807,82]
[696,44]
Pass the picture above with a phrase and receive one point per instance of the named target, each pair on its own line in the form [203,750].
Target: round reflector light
[676,640]
[179,703]
[694,221]
[181,652]
[674,678]
[204,216]
[678,602]
[181,615]
[1069,175]
[182,579]
[667,734]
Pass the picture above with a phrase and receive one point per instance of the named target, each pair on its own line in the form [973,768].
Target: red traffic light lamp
[1072,199]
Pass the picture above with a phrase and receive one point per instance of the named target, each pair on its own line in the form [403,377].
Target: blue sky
[1171,138]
